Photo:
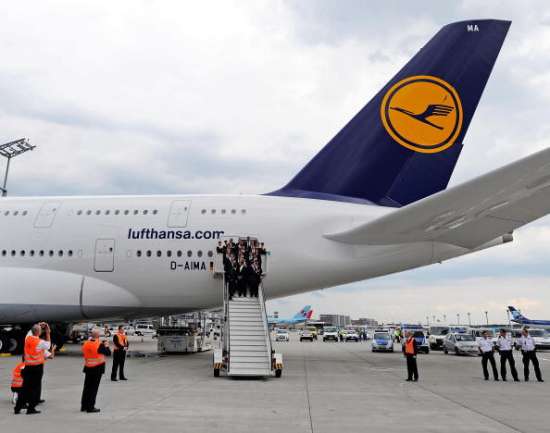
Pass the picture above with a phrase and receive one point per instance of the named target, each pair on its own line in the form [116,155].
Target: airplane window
[3,253]
[168,253]
[148,253]
[7,213]
[24,213]
[126,212]
[98,212]
[138,253]
[60,253]
[199,253]
[117,212]
[88,212]
[79,212]
[31,252]
[159,253]
[15,213]
[213,211]
[210,253]
[203,211]
[136,212]
[223,211]
[145,212]
[41,253]
[155,212]
[13,253]
[233,211]
[243,211]
[107,212]
[70,253]
[51,253]
[22,253]
[189,253]
[179,253]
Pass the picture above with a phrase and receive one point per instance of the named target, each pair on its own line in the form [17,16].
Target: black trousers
[530,356]
[507,355]
[412,367]
[488,356]
[89,393]
[32,386]
[119,357]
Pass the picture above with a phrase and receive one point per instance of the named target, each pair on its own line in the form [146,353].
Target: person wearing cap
[486,348]
[504,348]
[529,351]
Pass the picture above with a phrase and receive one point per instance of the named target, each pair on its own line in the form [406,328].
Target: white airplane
[372,202]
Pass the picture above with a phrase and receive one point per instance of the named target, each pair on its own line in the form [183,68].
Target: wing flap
[469,214]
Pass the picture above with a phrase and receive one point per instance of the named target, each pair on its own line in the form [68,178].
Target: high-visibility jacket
[409,347]
[91,356]
[33,355]
[17,379]
[122,340]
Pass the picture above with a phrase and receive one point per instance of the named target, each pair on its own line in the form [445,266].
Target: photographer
[94,352]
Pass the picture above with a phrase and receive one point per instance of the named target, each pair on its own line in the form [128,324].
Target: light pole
[428,320]
[434,319]
[445,318]
[509,323]
[469,322]
[458,318]
[9,150]
[487,318]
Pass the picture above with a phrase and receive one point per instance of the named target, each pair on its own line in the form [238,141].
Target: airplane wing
[469,214]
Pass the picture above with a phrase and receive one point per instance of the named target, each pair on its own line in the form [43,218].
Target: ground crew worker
[485,346]
[529,351]
[120,342]
[17,381]
[411,351]
[36,352]
[504,347]
[94,352]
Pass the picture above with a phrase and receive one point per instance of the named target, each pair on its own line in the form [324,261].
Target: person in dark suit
[254,278]
[242,277]
[120,342]
[231,279]
[94,352]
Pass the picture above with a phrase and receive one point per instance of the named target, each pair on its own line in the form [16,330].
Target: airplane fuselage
[79,258]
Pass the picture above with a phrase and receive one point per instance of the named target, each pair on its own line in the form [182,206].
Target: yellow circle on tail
[422,113]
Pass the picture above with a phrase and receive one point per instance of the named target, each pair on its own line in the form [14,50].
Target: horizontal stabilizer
[467,215]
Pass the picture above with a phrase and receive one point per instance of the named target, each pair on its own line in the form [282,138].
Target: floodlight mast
[9,150]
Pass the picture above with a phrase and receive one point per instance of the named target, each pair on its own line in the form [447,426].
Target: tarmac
[325,387]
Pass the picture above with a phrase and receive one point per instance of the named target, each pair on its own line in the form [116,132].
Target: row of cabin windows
[13,213]
[169,253]
[223,211]
[38,253]
[114,212]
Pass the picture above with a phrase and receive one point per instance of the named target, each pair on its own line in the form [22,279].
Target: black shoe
[486,378]
[526,379]
[516,380]
[415,380]
[504,380]
[82,409]
[16,411]
[408,380]
[93,410]
[123,378]
[41,401]
[114,380]
[32,411]
[540,380]
[496,379]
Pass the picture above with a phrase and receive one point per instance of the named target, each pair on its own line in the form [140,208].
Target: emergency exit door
[179,211]
[104,255]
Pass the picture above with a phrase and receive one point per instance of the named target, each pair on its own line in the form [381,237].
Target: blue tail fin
[404,144]
[302,314]
[516,314]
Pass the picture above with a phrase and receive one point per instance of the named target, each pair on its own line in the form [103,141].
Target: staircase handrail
[261,294]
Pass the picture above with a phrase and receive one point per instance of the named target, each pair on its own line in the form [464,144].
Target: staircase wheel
[216,372]
[278,373]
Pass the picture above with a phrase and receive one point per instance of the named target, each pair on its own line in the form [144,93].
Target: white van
[144,329]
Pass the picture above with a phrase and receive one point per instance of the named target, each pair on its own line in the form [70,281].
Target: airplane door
[179,213]
[47,214]
[104,255]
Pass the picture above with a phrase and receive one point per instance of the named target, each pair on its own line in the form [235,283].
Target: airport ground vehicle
[478,334]
[541,337]
[460,344]
[282,335]
[419,336]
[437,334]
[306,335]
[382,342]
[142,329]
[351,334]
[313,331]
[330,333]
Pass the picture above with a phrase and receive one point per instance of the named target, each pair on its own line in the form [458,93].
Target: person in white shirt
[485,346]
[529,351]
[504,347]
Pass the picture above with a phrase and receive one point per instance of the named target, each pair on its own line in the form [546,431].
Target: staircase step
[247,346]
[248,338]
[251,353]
[247,371]
[249,360]
[247,332]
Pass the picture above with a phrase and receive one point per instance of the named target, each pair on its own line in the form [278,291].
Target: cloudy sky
[169,96]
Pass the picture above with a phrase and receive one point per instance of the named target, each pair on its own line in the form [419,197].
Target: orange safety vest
[122,339]
[33,355]
[91,356]
[409,347]
[17,379]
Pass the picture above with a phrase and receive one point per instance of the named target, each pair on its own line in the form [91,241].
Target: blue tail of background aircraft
[515,313]
[404,144]
[302,314]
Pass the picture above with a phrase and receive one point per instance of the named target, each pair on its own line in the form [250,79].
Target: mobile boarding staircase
[246,343]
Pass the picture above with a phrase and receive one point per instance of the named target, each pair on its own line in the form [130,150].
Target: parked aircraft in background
[372,202]
[517,317]
[300,317]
